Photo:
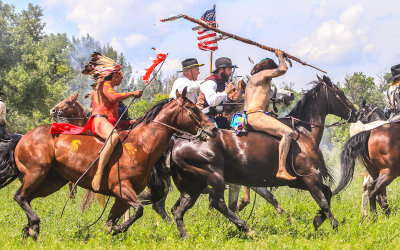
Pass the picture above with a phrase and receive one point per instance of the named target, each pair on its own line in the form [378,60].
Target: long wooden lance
[244,40]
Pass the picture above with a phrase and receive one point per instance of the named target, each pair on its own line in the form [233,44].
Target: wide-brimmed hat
[395,73]
[223,62]
[190,63]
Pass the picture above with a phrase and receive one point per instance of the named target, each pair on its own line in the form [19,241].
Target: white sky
[339,36]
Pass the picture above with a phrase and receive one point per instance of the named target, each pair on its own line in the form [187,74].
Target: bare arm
[281,70]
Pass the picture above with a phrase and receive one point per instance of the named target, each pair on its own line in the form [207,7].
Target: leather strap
[100,115]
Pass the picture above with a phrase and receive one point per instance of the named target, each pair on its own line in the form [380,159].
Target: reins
[293,119]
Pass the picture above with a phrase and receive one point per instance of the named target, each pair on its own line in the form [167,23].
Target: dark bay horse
[252,159]
[367,116]
[379,149]
[47,162]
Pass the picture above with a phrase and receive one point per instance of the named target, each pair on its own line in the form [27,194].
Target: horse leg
[234,191]
[159,207]
[130,197]
[33,186]
[323,214]
[380,186]
[382,201]
[119,208]
[322,194]
[217,201]
[245,200]
[364,203]
[184,203]
[72,192]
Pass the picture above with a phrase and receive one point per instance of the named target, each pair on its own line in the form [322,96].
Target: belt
[100,115]
[254,111]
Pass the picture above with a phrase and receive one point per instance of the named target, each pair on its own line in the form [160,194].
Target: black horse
[252,159]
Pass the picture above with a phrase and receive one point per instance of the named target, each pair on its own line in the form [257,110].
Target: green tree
[359,87]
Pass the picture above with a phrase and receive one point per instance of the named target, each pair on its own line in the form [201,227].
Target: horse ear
[184,92]
[327,80]
[319,78]
[75,96]
[364,103]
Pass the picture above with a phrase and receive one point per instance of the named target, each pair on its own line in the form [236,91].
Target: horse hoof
[25,232]
[251,233]
[335,225]
[317,221]
[387,212]
[33,231]
[184,236]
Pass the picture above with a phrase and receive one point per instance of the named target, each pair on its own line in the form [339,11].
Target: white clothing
[192,88]
[3,111]
[209,89]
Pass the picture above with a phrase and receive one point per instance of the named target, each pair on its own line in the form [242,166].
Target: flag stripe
[207,38]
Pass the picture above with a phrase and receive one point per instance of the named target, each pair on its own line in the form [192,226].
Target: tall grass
[207,228]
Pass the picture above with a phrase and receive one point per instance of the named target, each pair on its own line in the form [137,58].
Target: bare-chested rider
[256,104]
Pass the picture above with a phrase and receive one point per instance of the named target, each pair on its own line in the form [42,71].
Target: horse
[71,111]
[48,161]
[378,148]
[252,159]
[367,116]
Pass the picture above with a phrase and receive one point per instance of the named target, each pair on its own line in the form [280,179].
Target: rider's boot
[104,158]
[284,146]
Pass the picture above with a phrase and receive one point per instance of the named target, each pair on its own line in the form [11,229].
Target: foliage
[359,87]
[140,107]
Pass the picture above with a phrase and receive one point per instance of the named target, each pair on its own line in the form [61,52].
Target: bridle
[200,131]
[350,111]
[59,112]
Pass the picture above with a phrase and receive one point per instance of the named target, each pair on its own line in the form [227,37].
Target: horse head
[337,102]
[369,113]
[284,96]
[190,118]
[68,108]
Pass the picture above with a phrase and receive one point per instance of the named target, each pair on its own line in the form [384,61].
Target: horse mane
[298,110]
[151,113]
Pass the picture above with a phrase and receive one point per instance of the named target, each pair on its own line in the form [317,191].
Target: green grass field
[207,228]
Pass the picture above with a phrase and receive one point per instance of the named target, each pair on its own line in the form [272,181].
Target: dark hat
[395,73]
[190,63]
[223,62]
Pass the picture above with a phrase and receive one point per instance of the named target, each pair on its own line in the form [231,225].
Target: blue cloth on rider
[239,122]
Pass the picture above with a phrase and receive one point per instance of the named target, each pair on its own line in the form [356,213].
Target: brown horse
[252,159]
[71,111]
[379,150]
[48,161]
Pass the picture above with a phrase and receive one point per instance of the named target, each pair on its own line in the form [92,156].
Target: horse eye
[68,103]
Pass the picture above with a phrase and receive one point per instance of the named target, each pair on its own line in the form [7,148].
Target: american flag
[206,38]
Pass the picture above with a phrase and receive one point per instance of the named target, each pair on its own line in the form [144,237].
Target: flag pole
[211,53]
[211,60]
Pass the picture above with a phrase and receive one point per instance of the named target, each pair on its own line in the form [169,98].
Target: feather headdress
[100,66]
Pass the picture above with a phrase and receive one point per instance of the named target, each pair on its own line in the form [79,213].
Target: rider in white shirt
[190,69]
[214,91]
[3,111]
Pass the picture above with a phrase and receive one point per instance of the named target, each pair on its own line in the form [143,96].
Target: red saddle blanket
[69,129]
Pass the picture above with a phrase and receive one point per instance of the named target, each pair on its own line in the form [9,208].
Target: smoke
[80,51]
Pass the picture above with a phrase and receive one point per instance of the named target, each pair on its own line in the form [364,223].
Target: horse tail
[159,181]
[356,146]
[8,169]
